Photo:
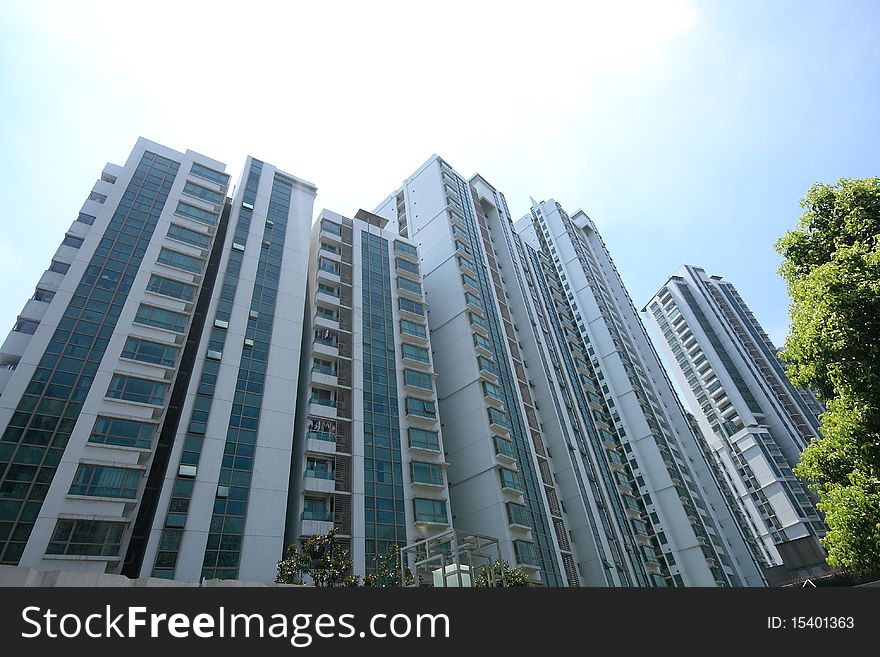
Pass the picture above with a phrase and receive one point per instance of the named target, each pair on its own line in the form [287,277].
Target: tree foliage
[504,575]
[388,572]
[831,264]
[321,561]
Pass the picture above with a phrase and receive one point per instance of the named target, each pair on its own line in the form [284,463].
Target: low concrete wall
[19,576]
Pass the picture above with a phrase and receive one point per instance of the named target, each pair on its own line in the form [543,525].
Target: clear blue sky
[687,130]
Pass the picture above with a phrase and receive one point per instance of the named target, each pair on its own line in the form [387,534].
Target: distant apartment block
[755,421]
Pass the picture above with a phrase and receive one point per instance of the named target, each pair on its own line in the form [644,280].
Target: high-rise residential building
[369,454]
[564,438]
[700,542]
[755,421]
[147,403]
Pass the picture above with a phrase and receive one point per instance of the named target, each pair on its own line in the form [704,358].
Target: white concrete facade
[337,468]
[694,539]
[755,422]
[183,252]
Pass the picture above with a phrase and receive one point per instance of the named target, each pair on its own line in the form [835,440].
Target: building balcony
[413,316]
[328,233]
[494,402]
[482,351]
[411,294]
[499,429]
[323,378]
[319,446]
[504,454]
[427,394]
[323,410]
[653,567]
[328,276]
[411,338]
[321,321]
[318,484]
[315,527]
[329,255]
[421,420]
[417,364]
[327,299]
[633,514]
[326,348]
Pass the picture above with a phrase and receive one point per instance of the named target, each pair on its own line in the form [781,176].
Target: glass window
[59,267]
[318,468]
[86,218]
[328,289]
[402,247]
[150,352]
[518,514]
[486,364]
[126,433]
[195,213]
[323,367]
[411,328]
[331,227]
[480,341]
[315,508]
[180,260]
[43,295]
[134,389]
[209,174]
[86,537]
[408,285]
[426,473]
[327,313]
[203,193]
[415,353]
[503,446]
[510,479]
[422,439]
[420,407]
[406,265]
[526,553]
[411,306]
[323,397]
[171,288]
[27,326]
[429,510]
[418,379]
[101,481]
[188,236]
[498,417]
[330,266]
[492,390]
[161,318]
[70,240]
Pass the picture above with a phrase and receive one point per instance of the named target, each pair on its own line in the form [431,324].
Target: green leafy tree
[831,264]
[388,573]
[321,559]
[504,575]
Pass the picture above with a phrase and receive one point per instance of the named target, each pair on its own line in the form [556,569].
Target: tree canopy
[322,559]
[831,264]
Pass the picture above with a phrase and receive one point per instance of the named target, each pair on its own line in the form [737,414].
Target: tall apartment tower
[756,422]
[700,541]
[147,424]
[535,455]
[369,457]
